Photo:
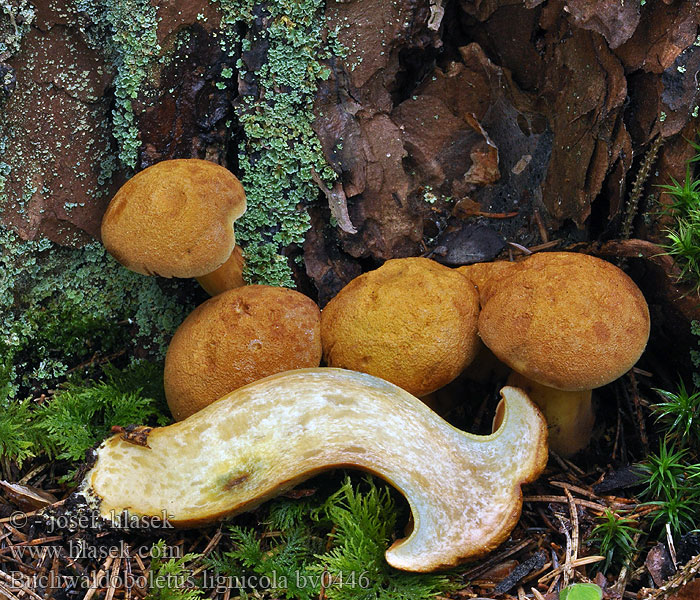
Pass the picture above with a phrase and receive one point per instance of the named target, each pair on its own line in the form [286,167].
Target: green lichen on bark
[280,149]
[18,18]
[127,31]
[61,305]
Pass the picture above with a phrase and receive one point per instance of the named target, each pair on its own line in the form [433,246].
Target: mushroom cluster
[257,415]
[175,219]
[566,323]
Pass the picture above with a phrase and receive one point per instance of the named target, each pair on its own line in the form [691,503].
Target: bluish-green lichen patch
[128,29]
[280,150]
[60,304]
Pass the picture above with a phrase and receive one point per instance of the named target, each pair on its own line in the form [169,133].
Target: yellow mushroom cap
[238,337]
[412,322]
[565,320]
[174,218]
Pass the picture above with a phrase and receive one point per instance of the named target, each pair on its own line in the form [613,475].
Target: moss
[128,31]
[280,149]
[60,306]
[338,538]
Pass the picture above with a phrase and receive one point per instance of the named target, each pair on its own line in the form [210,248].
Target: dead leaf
[27,497]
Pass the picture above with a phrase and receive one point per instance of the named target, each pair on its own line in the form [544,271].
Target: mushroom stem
[569,415]
[227,277]
[264,438]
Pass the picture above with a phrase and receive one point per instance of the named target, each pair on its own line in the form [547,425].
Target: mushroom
[485,275]
[238,337]
[412,321]
[255,443]
[566,321]
[175,219]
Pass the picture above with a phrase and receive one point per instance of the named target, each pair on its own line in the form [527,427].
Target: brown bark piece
[664,32]
[614,20]
[58,135]
[374,32]
[445,147]
[186,117]
[325,263]
[388,224]
[690,591]
[680,96]
[483,9]
[587,90]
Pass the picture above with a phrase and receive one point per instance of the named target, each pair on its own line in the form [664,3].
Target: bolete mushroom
[175,219]
[227,277]
[412,321]
[566,321]
[235,338]
[253,444]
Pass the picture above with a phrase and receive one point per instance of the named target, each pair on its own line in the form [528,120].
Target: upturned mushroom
[235,338]
[412,321]
[253,444]
[175,219]
[566,323]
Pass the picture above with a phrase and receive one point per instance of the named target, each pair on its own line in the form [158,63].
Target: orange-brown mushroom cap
[235,338]
[412,322]
[486,275]
[565,320]
[174,218]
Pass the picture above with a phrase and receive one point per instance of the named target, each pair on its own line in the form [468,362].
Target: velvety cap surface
[238,337]
[485,275]
[412,322]
[174,218]
[566,320]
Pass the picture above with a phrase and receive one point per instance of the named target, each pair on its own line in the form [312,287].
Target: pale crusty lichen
[280,149]
[18,18]
[127,31]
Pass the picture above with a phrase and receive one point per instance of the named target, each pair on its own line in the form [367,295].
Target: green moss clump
[683,238]
[61,306]
[337,538]
[82,413]
[280,149]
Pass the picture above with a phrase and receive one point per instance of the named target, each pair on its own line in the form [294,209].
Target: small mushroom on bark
[255,443]
[566,321]
[412,321]
[175,219]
